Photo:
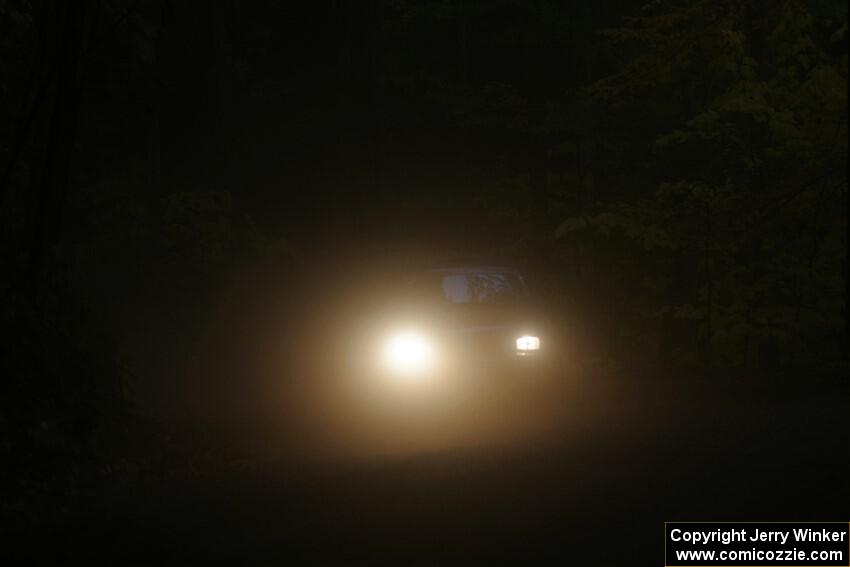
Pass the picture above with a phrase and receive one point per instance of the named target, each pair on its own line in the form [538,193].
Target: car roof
[470,269]
[468,263]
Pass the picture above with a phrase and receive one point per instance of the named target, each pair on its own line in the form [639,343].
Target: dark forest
[199,198]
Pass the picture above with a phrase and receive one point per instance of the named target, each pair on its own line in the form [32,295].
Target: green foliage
[754,169]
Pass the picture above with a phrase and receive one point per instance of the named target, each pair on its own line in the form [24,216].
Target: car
[451,326]
[474,320]
[432,357]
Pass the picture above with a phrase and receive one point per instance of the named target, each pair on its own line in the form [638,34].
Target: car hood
[484,320]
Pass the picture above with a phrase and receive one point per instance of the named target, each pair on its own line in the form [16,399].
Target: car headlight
[409,354]
[527,343]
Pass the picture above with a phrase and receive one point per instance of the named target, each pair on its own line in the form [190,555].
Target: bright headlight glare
[528,342]
[409,353]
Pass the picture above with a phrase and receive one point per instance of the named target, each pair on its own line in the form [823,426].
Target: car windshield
[472,286]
